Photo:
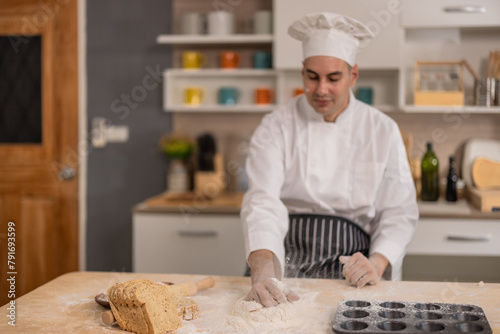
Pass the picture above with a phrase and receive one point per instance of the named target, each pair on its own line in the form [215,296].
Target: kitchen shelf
[217,72]
[447,109]
[214,39]
[216,108]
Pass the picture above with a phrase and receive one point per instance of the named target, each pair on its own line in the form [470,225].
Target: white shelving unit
[450,109]
[386,65]
[210,80]
[213,39]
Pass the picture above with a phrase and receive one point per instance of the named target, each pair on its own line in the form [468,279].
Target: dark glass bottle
[430,175]
[451,182]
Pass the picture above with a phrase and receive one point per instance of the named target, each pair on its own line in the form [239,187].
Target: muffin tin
[370,316]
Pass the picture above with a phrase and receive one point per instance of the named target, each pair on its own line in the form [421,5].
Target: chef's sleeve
[397,210]
[263,214]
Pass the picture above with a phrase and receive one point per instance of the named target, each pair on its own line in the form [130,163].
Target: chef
[330,190]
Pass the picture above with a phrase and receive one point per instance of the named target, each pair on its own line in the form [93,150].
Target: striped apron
[315,242]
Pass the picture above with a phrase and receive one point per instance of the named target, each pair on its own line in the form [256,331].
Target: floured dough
[251,310]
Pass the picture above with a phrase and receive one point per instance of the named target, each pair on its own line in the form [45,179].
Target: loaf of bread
[144,307]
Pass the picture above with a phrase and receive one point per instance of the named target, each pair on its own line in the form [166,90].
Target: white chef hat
[330,34]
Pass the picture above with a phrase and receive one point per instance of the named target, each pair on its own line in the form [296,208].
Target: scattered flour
[251,310]
[232,314]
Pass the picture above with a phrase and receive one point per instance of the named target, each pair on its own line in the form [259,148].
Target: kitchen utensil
[102,299]
[475,148]
[484,92]
[191,288]
[486,173]
[491,64]
[370,316]
[496,65]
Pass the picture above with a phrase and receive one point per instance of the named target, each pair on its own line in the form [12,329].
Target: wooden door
[38,143]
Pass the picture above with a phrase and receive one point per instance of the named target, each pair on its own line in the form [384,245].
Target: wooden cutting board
[486,173]
[485,200]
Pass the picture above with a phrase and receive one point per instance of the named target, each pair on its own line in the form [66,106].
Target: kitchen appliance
[369,316]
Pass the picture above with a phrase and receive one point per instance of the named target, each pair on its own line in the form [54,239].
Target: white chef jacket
[355,167]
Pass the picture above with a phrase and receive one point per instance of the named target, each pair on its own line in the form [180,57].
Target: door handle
[200,233]
[469,238]
[67,173]
[465,9]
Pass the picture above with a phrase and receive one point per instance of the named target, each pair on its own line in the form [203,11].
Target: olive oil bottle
[430,175]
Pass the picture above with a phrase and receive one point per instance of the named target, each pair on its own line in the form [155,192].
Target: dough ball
[251,310]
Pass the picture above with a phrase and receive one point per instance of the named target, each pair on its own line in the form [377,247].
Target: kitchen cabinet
[447,30]
[460,248]
[188,243]
[450,13]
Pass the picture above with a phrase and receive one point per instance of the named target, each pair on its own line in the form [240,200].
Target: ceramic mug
[228,96]
[193,59]
[365,94]
[193,95]
[297,91]
[229,59]
[220,22]
[191,23]
[262,59]
[262,22]
[263,95]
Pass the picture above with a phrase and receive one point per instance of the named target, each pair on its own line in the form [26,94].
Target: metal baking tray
[374,317]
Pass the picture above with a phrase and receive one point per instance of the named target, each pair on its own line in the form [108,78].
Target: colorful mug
[193,95]
[365,94]
[262,59]
[297,91]
[229,59]
[263,95]
[228,96]
[193,59]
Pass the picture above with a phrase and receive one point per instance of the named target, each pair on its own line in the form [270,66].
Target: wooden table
[66,304]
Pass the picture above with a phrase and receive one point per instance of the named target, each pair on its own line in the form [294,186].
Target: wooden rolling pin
[191,288]
[486,173]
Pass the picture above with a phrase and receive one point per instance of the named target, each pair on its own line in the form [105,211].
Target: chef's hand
[359,270]
[264,288]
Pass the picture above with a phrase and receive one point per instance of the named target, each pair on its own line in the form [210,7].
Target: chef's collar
[330,34]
